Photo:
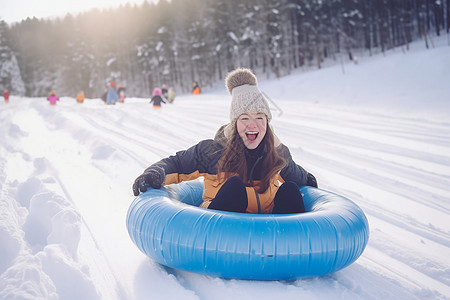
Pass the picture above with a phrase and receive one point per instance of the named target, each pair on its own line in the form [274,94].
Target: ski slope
[378,134]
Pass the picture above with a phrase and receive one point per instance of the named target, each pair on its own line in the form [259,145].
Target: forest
[178,42]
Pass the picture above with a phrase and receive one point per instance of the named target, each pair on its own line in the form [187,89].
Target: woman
[244,164]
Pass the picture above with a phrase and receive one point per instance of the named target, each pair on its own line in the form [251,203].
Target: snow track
[83,159]
[397,170]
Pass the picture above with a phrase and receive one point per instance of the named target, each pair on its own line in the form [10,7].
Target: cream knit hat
[241,84]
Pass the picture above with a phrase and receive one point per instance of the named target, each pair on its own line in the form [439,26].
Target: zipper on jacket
[253,168]
[251,178]
[257,201]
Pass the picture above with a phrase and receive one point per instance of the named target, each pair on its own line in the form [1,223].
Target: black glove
[311,181]
[152,177]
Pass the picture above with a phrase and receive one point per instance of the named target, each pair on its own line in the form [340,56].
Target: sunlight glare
[17,10]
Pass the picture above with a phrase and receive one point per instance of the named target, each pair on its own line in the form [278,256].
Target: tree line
[180,41]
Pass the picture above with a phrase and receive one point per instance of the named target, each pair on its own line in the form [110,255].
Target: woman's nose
[252,123]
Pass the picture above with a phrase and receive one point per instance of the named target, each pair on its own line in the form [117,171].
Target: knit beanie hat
[241,84]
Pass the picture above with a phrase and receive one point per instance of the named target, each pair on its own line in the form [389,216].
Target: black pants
[232,196]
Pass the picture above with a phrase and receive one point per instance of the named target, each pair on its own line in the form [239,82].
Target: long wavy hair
[233,161]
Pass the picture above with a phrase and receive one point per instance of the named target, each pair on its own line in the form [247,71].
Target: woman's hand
[312,181]
[152,177]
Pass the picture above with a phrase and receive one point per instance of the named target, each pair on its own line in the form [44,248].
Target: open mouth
[252,135]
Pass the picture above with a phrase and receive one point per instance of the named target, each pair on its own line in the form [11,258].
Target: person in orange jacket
[196,88]
[6,95]
[53,98]
[80,97]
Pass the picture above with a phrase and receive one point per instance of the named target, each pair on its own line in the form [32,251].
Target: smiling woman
[16,10]
[252,128]
[244,164]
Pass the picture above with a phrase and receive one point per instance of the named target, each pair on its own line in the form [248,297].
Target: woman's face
[252,127]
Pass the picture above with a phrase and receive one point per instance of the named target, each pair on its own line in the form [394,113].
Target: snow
[377,132]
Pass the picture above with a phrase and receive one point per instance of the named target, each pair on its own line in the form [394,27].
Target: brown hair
[233,160]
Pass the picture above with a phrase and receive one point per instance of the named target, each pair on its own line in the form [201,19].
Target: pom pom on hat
[240,77]
[241,84]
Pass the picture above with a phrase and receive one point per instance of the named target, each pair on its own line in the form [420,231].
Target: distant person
[80,97]
[171,95]
[121,93]
[157,98]
[6,95]
[164,91]
[111,96]
[52,98]
[196,88]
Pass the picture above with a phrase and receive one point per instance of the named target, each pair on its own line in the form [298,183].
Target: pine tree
[177,42]
[10,77]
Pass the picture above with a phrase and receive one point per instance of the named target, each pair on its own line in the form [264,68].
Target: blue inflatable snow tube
[169,227]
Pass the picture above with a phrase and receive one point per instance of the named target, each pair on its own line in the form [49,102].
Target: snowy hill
[377,132]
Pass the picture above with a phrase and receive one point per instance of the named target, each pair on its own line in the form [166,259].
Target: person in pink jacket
[52,98]
[6,95]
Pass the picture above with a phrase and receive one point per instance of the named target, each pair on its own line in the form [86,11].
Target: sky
[16,10]
[378,134]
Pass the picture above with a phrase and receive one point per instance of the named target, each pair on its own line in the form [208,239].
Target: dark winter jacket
[157,100]
[202,160]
